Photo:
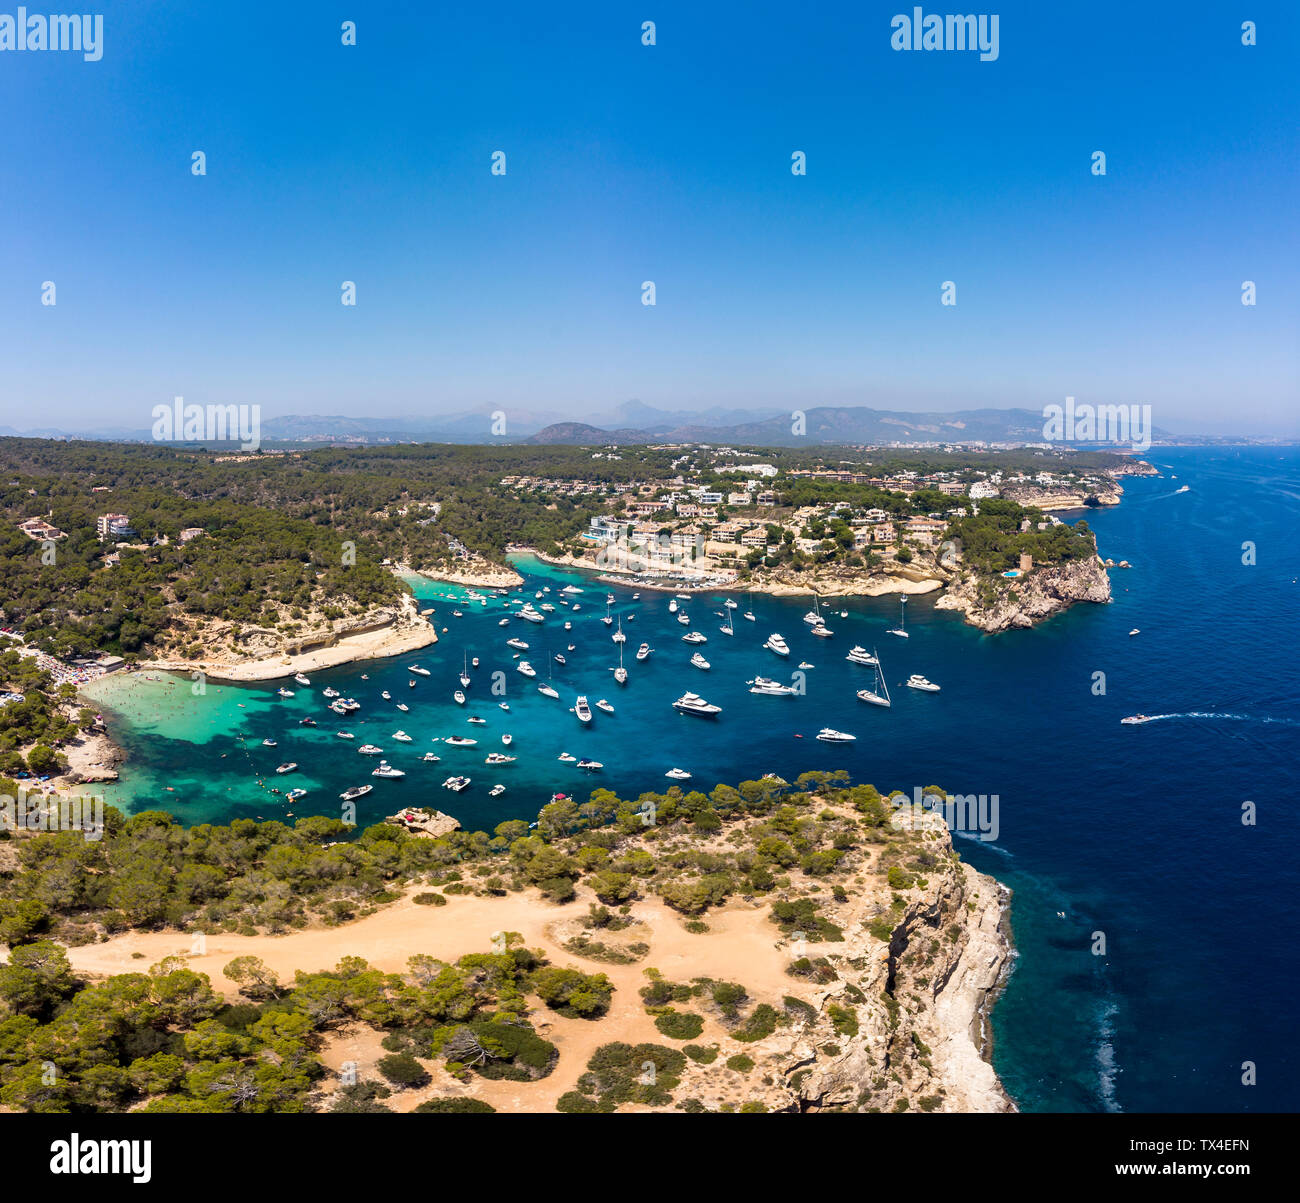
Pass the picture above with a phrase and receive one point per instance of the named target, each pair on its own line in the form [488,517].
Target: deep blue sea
[1134,832]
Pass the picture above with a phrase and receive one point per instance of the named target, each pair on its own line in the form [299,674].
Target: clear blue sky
[626,163]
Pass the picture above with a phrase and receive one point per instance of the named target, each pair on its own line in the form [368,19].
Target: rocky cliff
[999,603]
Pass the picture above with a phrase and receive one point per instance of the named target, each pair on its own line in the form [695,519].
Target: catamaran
[456,783]
[901,629]
[618,636]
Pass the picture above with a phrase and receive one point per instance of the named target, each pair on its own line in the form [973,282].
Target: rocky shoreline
[1002,604]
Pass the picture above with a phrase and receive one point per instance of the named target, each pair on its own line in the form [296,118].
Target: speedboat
[547,608]
[418,671]
[590,765]
[458,698]
[831,736]
[776,644]
[456,783]
[507,739]
[431,757]
[527,669]
[822,631]
[749,615]
[529,614]
[581,709]
[518,644]
[284,693]
[1135,631]
[860,655]
[386,770]
[307,722]
[329,692]
[643,651]
[694,637]
[388,697]
[692,703]
[268,743]
[765,685]
[357,791]
[505,622]
[344,735]
[474,718]
[460,741]
[672,606]
[302,679]
[294,794]
[1134,719]
[401,737]
[403,706]
[699,661]
[605,706]
[369,750]
[684,619]
[916,681]
[287,767]
[499,758]
[678,774]
[564,756]
[548,689]
[504,705]
[559,658]
[496,791]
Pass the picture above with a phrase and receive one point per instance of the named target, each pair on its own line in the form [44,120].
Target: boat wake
[1239,718]
[1107,1069]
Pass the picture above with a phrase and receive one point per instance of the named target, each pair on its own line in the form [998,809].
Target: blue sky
[668,163]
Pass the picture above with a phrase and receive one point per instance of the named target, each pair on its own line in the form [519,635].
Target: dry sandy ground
[739,947]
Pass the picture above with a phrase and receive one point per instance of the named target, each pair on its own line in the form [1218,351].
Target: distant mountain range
[636,423]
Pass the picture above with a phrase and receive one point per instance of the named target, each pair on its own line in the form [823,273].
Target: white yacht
[460,741]
[499,758]
[590,765]
[370,750]
[731,605]
[288,767]
[329,692]
[678,774]
[548,689]
[531,615]
[699,661]
[431,757]
[401,737]
[692,703]
[564,756]
[418,671]
[269,743]
[831,736]
[344,735]
[496,791]
[618,636]
[403,706]
[814,616]
[749,615]
[507,739]
[518,644]
[302,678]
[684,619]
[456,783]
[458,698]
[386,770]
[605,706]
[672,606]
[694,637]
[505,622]
[776,644]
[388,697]
[643,651]
[571,589]
[527,669]
[765,685]
[581,709]
[284,693]
[357,791]
[916,681]
[860,655]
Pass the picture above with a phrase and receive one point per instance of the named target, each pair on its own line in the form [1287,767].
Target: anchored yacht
[692,703]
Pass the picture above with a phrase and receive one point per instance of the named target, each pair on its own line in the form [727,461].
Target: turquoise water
[1133,832]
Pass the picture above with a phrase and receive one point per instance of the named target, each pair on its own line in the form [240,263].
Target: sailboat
[464,672]
[880,695]
[726,628]
[620,673]
[549,689]
[901,629]
[618,636]
[608,619]
[814,616]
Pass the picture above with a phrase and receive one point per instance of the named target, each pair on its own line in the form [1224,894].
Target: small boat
[496,791]
[643,651]
[388,697]
[473,662]
[559,658]
[684,619]
[357,791]
[386,770]
[678,774]
[505,622]
[268,743]
[694,637]
[403,706]
[365,677]
[302,679]
[776,644]
[766,686]
[605,706]
[527,669]
[460,741]
[609,599]
[581,709]
[458,784]
[401,737]
[805,664]
[369,750]
[590,765]
[830,736]
[636,597]
[731,605]
[499,758]
[748,614]
[916,681]
[294,794]
[458,697]
[844,613]
[504,705]
[507,739]
[564,756]
[431,757]
[307,722]
[474,718]
[287,767]
[901,629]
[284,693]
[672,606]
[519,644]
[699,661]
[464,672]
[568,626]
[411,683]
[418,671]
[682,596]
[329,692]
[1134,720]
[822,631]
[1135,631]
[692,703]
[344,735]
[860,655]
[548,689]
[547,608]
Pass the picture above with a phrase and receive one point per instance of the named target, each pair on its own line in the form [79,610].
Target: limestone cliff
[1001,603]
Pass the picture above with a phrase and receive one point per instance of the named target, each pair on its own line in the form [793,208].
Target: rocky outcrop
[1000,604]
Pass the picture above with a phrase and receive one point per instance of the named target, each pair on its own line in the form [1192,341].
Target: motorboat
[369,750]
[748,615]
[684,619]
[505,622]
[386,770]
[916,681]
[776,644]
[1134,631]
[403,707]
[507,739]
[288,767]
[329,692]
[458,784]
[590,765]
[860,655]
[518,644]
[294,794]
[284,693]
[473,660]
[302,679]
[770,688]
[474,718]
[531,615]
[643,651]
[559,658]
[830,736]
[431,757]
[504,705]
[731,605]
[357,791]
[548,689]
[678,774]
[344,735]
[460,741]
[806,664]
[269,743]
[672,606]
[499,758]
[822,631]
[1134,720]
[601,704]
[418,671]
[411,683]
[581,709]
[527,669]
[699,661]
[694,637]
[496,791]
[401,737]
[566,758]
[692,703]
[388,697]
